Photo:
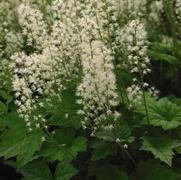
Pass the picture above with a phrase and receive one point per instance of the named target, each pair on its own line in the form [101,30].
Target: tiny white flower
[125,146]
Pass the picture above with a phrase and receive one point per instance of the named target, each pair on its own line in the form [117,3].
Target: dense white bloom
[7,18]
[23,93]
[33,77]
[33,26]
[97,91]
[65,38]
[6,11]
[132,39]
[14,42]
[97,20]
[64,10]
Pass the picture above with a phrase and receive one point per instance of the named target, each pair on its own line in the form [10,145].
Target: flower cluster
[64,39]
[132,40]
[135,94]
[7,22]
[33,25]
[6,12]
[42,74]
[14,42]
[97,91]
[34,76]
[24,87]
[98,20]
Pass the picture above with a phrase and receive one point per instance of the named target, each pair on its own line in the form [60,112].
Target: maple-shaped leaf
[162,113]
[161,147]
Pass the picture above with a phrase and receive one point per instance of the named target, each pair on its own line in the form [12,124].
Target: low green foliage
[64,171]
[160,147]
[37,170]
[162,113]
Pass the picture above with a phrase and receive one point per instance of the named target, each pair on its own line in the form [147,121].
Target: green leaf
[102,150]
[16,141]
[3,94]
[36,141]
[14,122]
[52,152]
[37,170]
[64,135]
[162,57]
[154,170]
[162,47]
[160,147]
[79,145]
[162,113]
[64,152]
[6,96]
[64,171]
[21,144]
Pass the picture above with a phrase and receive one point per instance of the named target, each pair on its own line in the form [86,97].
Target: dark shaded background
[8,173]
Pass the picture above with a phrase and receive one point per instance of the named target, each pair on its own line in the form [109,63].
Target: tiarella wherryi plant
[90,89]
